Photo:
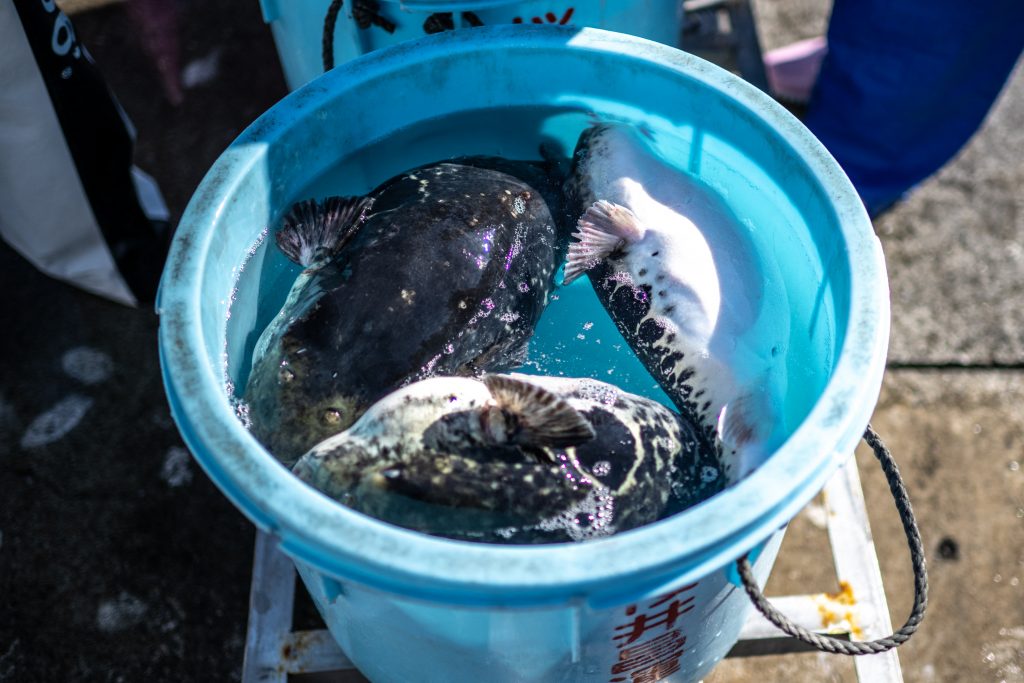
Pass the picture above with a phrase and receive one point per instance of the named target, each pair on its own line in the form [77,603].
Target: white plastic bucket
[655,603]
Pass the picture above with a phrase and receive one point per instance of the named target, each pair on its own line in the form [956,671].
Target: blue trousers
[906,83]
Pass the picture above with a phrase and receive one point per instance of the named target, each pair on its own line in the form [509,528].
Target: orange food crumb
[845,594]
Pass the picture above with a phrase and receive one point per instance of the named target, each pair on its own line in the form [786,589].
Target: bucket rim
[351,546]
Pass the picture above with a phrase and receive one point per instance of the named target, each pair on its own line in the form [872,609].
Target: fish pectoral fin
[542,419]
[313,231]
[497,358]
[458,482]
[517,355]
[603,228]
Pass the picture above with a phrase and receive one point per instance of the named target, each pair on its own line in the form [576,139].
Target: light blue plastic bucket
[298,25]
[658,601]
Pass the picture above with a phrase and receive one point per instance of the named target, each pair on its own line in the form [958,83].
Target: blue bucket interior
[504,91]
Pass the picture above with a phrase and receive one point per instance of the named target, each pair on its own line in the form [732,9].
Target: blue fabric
[907,82]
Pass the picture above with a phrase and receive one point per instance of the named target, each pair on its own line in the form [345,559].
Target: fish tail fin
[315,230]
[744,426]
[543,419]
[602,229]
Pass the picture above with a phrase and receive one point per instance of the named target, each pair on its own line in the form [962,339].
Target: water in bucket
[575,337]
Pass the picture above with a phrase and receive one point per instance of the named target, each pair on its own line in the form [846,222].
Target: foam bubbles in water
[241,411]
[605,394]
[590,518]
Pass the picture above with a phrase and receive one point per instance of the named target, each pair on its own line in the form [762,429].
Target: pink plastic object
[792,70]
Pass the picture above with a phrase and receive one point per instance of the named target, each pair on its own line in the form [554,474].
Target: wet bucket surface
[406,606]
[298,25]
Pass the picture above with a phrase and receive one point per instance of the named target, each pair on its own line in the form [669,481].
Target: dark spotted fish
[684,285]
[512,458]
[441,270]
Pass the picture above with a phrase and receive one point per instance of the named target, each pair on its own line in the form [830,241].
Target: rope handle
[845,647]
[366,13]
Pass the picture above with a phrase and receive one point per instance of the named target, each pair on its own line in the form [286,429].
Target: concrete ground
[119,561]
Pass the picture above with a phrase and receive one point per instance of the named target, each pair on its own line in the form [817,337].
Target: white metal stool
[724,32]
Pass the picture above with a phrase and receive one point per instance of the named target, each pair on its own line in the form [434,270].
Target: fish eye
[332,416]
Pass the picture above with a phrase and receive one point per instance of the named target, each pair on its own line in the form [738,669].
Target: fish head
[608,146]
[603,134]
[338,465]
[393,432]
[578,186]
[299,399]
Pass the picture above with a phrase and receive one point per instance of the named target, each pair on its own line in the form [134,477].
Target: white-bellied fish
[444,269]
[679,275]
[514,458]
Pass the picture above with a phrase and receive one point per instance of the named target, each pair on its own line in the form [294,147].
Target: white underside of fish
[716,300]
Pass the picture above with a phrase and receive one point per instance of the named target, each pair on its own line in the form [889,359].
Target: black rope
[366,13]
[330,19]
[844,647]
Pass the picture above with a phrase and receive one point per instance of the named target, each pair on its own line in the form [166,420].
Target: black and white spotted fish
[513,458]
[444,269]
[680,277]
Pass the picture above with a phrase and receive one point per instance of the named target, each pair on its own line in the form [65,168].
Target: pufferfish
[442,270]
[705,312]
[512,458]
